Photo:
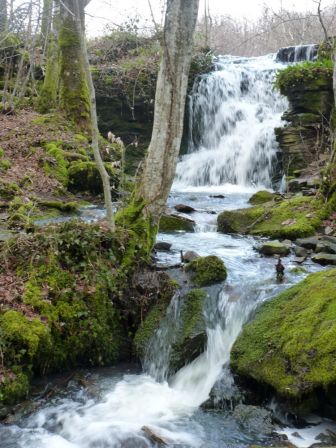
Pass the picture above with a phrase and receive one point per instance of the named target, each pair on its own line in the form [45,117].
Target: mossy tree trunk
[48,99]
[46,18]
[171,90]
[74,90]
[3,16]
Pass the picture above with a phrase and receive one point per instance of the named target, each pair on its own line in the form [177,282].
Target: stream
[232,154]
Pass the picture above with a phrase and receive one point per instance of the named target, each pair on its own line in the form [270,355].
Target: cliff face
[305,137]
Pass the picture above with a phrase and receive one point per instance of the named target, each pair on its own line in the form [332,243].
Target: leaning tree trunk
[171,90]
[79,12]
[74,90]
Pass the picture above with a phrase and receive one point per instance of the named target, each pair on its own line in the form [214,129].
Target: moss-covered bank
[290,344]
[69,301]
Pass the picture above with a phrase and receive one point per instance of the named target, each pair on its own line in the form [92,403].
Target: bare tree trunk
[3,16]
[79,13]
[171,89]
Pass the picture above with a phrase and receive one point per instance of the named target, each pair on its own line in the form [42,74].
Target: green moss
[207,270]
[8,189]
[175,223]
[312,75]
[21,213]
[24,338]
[58,167]
[293,218]
[49,92]
[74,92]
[141,233]
[5,164]
[261,197]
[84,176]
[291,343]
[65,207]
[14,386]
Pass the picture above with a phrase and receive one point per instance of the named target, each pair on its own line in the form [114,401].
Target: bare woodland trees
[171,89]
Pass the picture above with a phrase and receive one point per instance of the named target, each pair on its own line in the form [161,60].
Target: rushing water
[231,152]
[233,113]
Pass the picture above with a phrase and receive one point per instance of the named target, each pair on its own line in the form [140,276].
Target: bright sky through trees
[103,12]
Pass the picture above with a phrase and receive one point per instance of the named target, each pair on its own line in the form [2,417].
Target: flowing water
[231,158]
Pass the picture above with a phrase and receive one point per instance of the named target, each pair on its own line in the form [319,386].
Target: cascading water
[233,113]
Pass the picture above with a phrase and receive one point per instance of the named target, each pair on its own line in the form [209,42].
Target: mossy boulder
[84,176]
[290,344]
[289,219]
[189,337]
[175,223]
[261,197]
[274,248]
[206,271]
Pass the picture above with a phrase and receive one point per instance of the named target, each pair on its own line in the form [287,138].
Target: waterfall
[232,115]
[297,53]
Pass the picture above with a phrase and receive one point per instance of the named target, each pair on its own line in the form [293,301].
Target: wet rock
[308,243]
[155,436]
[135,442]
[324,259]
[217,196]
[326,247]
[300,251]
[189,256]
[330,239]
[162,246]
[274,248]
[254,419]
[175,223]
[299,260]
[182,208]
[328,230]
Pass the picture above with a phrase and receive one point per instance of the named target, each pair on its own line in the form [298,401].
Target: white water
[233,113]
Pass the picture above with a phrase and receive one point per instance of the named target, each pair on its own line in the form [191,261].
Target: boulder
[290,344]
[261,197]
[162,246]
[308,243]
[206,271]
[324,259]
[254,419]
[300,252]
[189,256]
[274,248]
[326,247]
[175,223]
[182,208]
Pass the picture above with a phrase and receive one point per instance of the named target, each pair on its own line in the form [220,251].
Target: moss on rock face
[292,218]
[175,223]
[84,176]
[261,197]
[206,271]
[290,345]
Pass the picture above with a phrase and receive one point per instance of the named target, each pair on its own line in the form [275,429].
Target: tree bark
[3,16]
[74,90]
[171,89]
